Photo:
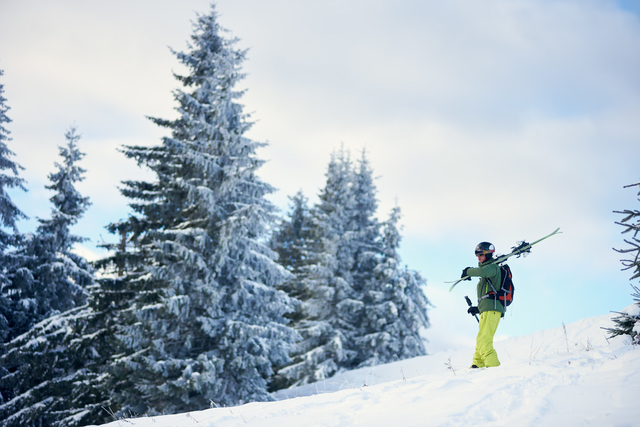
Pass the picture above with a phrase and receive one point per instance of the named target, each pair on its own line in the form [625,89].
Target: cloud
[486,120]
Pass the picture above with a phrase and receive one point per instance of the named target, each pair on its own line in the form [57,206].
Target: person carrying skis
[490,310]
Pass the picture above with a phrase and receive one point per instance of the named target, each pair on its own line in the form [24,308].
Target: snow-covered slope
[566,376]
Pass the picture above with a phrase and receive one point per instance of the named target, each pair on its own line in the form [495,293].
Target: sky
[486,120]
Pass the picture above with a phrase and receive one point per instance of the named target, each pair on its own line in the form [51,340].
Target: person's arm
[484,271]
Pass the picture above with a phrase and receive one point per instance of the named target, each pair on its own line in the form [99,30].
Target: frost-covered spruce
[56,373]
[628,321]
[326,323]
[49,278]
[317,354]
[52,368]
[395,306]
[324,282]
[631,224]
[9,214]
[391,306]
[207,324]
[358,306]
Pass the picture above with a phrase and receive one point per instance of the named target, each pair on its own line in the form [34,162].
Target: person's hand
[473,310]
[464,274]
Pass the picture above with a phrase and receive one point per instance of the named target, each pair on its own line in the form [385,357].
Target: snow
[569,375]
[632,311]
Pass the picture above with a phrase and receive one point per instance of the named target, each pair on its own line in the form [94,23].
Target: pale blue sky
[495,120]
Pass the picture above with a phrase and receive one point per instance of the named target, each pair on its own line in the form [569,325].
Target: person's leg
[478,359]
[485,354]
[478,362]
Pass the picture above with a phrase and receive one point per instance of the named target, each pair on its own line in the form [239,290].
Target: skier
[490,310]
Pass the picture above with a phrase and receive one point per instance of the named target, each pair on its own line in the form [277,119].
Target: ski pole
[469,304]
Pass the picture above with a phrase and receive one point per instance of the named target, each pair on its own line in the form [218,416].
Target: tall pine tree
[51,278]
[9,214]
[207,323]
[395,306]
[295,245]
[301,250]
[359,307]
[56,374]
[52,370]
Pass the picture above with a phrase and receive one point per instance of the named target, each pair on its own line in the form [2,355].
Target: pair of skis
[522,249]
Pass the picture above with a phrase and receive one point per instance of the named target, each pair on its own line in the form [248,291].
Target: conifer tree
[9,214]
[294,245]
[365,234]
[366,201]
[300,251]
[50,278]
[380,307]
[333,303]
[628,322]
[359,307]
[53,371]
[395,306]
[631,224]
[207,323]
[56,374]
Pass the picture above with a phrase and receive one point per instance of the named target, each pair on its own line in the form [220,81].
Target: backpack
[505,292]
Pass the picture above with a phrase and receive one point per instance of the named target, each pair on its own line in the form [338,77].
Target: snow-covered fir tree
[628,321]
[56,374]
[294,245]
[301,251]
[392,306]
[364,235]
[50,278]
[395,306]
[9,215]
[358,306]
[326,311]
[208,322]
[53,372]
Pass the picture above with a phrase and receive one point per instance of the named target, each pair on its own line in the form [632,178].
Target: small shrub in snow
[628,321]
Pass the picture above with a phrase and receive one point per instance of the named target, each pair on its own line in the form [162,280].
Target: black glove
[464,274]
[473,310]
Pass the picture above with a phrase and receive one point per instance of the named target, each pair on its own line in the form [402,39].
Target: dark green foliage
[628,322]
[631,224]
[207,322]
[9,236]
[54,369]
[358,306]
[46,277]
[56,374]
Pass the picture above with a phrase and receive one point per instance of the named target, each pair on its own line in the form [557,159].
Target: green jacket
[492,272]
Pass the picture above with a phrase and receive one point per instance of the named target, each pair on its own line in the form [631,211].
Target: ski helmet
[485,248]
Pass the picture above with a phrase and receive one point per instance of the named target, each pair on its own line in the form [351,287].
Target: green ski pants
[485,355]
